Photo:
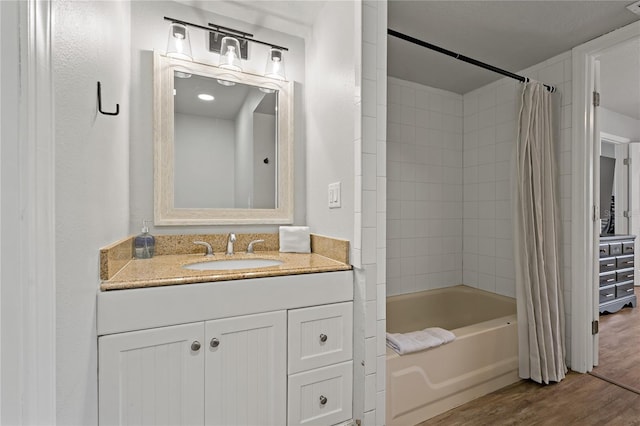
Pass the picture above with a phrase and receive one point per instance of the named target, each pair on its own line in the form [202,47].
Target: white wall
[619,125]
[244,150]
[204,152]
[149,31]
[90,44]
[330,113]
[424,188]
[264,175]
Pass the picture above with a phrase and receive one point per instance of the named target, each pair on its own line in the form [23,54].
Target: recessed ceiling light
[205,97]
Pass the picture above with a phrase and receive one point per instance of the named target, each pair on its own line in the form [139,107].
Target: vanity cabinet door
[152,377]
[246,370]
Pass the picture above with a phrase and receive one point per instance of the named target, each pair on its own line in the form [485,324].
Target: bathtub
[482,359]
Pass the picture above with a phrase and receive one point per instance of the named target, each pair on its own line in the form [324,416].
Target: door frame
[584,307]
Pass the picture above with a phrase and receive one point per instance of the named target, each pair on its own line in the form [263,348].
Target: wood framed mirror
[223,146]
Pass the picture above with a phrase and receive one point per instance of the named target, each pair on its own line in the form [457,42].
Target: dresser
[616,272]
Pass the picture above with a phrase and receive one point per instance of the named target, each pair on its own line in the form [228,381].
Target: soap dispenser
[145,243]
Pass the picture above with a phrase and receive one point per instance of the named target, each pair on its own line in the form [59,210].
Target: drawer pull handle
[323,338]
[610,279]
[214,343]
[629,290]
[195,346]
[323,400]
[610,295]
[609,264]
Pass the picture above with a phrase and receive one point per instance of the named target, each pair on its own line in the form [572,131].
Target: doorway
[588,122]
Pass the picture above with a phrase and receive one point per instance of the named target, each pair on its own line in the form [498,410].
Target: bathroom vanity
[273,349]
[616,272]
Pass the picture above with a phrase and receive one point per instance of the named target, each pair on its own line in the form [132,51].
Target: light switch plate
[334,195]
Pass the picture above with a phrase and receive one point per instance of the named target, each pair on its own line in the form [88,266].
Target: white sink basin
[230,264]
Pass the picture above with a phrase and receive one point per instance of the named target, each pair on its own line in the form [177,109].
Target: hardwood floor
[580,399]
[620,347]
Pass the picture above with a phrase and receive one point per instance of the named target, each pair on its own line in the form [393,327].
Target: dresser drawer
[607,293]
[321,396]
[624,289]
[627,248]
[604,250]
[625,275]
[320,336]
[607,264]
[615,249]
[623,262]
[607,278]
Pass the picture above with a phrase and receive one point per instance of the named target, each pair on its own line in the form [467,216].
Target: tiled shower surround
[449,173]
[424,187]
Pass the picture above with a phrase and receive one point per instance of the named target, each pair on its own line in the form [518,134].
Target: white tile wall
[424,187]
[371,212]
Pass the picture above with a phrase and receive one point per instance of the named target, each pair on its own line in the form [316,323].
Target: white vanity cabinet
[222,353]
[320,345]
[245,370]
[152,377]
[221,372]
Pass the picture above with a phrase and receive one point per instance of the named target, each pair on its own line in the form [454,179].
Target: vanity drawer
[321,396]
[624,289]
[607,278]
[604,250]
[627,248]
[625,275]
[607,293]
[615,249]
[320,336]
[607,264]
[622,262]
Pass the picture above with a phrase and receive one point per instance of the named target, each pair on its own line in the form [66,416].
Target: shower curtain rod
[463,58]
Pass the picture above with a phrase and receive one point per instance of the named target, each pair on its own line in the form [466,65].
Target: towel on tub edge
[404,343]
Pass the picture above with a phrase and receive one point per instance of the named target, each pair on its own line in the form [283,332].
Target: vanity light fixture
[230,54]
[205,97]
[179,44]
[233,47]
[275,64]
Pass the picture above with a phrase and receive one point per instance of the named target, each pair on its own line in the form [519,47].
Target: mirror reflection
[225,139]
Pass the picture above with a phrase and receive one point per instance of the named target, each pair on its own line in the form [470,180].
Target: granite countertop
[120,271]
[168,269]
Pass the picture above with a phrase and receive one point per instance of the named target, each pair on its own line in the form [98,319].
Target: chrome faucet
[230,240]
[251,244]
[207,245]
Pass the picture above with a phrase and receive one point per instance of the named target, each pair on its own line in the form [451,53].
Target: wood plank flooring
[620,347]
[580,399]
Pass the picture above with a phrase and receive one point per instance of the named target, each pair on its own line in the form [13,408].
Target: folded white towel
[295,239]
[404,343]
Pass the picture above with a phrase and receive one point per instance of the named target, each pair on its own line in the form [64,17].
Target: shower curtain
[539,291]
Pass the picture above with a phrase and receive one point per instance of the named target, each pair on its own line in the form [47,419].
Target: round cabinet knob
[214,343]
[323,400]
[195,346]
[323,338]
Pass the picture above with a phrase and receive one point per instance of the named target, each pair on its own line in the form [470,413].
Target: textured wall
[92,184]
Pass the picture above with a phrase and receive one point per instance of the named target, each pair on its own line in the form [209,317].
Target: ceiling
[620,79]
[512,35]
[228,99]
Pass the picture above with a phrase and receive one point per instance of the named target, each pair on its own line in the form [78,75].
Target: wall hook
[100,104]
